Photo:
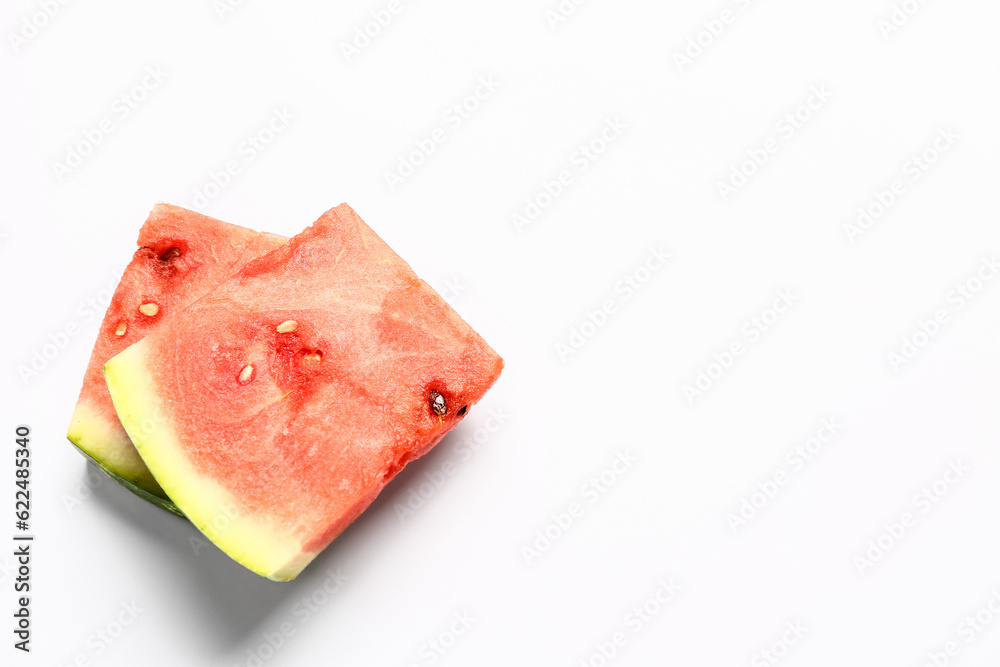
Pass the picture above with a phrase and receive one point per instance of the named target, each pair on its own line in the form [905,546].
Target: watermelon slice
[181,256]
[274,409]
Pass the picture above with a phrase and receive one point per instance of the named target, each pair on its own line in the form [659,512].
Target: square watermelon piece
[275,408]
[182,255]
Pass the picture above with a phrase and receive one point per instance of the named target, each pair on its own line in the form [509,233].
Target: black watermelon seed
[438,404]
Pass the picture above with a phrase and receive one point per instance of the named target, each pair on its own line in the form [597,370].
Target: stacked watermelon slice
[269,388]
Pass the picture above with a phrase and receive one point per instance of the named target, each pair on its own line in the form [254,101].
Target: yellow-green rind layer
[159,501]
[251,541]
[110,451]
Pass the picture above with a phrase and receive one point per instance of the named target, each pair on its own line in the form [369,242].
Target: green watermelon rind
[94,436]
[159,501]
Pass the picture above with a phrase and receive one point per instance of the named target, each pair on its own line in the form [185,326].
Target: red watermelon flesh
[287,398]
[181,256]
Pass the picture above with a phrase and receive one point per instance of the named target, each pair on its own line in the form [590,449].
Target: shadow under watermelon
[226,604]
[228,607]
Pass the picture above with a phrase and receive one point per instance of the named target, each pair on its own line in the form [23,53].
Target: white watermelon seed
[149,309]
[287,326]
[246,373]
[315,355]
[121,328]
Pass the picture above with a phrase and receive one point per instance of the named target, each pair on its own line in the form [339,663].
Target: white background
[887,95]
